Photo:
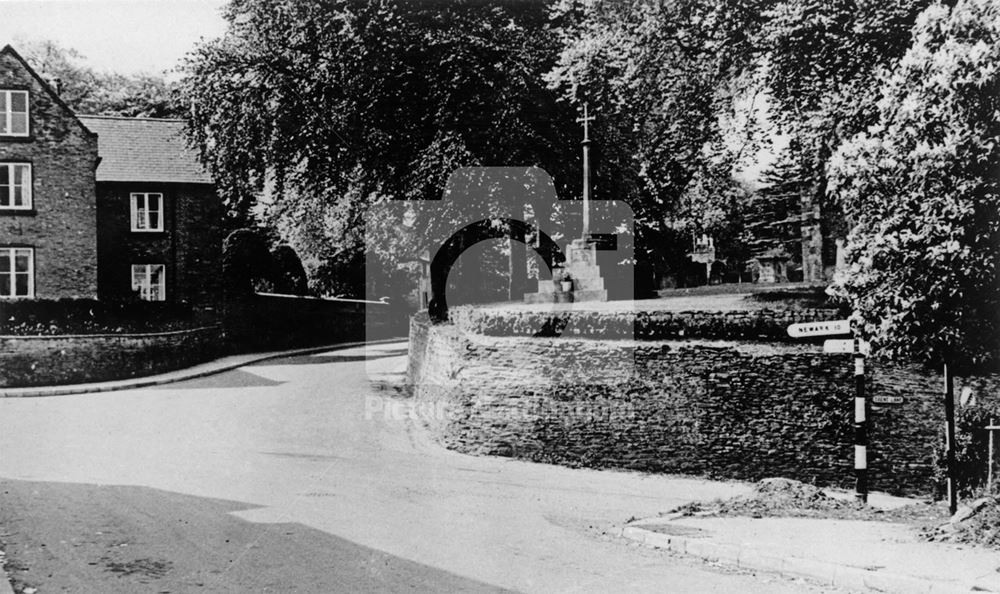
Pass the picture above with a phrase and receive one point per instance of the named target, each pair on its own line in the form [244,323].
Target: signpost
[860,348]
[809,329]
[860,427]
[847,346]
[949,432]
[989,457]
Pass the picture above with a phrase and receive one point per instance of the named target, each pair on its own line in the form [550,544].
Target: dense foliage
[773,212]
[38,317]
[88,91]
[662,78]
[288,277]
[330,107]
[312,113]
[921,189]
[246,263]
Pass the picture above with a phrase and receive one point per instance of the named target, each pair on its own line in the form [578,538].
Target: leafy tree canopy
[921,188]
[88,91]
[329,107]
[661,77]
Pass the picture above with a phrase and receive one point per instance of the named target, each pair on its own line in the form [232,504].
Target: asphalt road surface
[307,474]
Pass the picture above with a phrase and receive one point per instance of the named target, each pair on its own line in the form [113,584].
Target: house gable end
[46,87]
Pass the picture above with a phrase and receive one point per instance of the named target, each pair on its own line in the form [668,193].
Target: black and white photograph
[540,296]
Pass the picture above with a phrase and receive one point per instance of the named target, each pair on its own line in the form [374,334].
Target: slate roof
[144,149]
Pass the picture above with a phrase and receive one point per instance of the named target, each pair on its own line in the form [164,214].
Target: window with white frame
[13,113]
[17,272]
[147,211]
[150,281]
[15,186]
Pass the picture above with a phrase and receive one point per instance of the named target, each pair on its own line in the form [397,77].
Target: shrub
[971,445]
[89,316]
[245,259]
[288,277]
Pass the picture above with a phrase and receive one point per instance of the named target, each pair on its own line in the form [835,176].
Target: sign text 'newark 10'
[819,328]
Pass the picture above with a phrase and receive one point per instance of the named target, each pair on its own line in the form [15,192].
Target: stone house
[94,206]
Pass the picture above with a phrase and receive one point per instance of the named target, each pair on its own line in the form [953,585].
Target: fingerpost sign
[830,328]
[859,348]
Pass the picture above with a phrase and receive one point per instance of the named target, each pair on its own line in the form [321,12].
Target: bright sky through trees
[126,36]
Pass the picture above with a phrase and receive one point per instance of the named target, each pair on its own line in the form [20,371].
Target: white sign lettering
[819,328]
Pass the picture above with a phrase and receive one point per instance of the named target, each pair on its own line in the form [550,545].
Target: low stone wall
[71,359]
[754,324]
[721,408]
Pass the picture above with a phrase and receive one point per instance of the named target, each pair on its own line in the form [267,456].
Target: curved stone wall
[727,409]
[754,325]
[70,359]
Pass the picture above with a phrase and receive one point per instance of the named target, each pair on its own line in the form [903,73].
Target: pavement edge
[177,375]
[832,574]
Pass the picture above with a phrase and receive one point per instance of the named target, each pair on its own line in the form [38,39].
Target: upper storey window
[13,113]
[147,211]
[15,186]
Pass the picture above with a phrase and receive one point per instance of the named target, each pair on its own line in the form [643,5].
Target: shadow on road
[90,538]
[235,378]
[332,358]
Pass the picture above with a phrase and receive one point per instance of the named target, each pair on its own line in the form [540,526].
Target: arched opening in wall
[487,233]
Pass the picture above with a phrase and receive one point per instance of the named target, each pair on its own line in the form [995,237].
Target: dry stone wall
[755,325]
[70,359]
[727,409]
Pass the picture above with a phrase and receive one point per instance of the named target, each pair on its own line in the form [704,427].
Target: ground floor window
[17,272]
[150,281]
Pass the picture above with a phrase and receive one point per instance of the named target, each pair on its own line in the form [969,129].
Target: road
[290,476]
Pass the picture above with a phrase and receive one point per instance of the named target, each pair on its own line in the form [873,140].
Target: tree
[659,76]
[773,210]
[819,60]
[245,263]
[288,277]
[90,92]
[921,191]
[821,57]
[329,107]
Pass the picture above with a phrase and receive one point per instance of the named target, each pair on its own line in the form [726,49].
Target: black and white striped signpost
[860,425]
[860,349]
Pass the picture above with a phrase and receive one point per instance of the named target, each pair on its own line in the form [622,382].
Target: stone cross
[586,119]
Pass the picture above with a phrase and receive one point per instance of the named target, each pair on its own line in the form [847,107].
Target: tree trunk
[812,236]
[517,265]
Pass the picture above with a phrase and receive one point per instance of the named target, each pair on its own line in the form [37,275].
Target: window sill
[9,138]
[17,212]
[148,232]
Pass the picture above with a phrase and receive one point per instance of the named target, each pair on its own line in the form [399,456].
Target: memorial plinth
[581,265]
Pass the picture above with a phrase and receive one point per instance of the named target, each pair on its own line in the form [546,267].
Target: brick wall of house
[190,245]
[63,225]
[728,409]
